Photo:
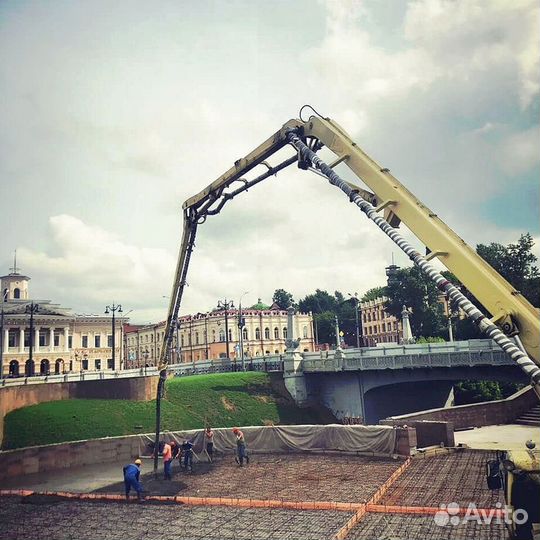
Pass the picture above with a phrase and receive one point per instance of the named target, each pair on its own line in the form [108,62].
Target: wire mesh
[442,479]
[400,527]
[285,479]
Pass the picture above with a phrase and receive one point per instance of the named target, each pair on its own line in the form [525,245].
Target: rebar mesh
[402,527]
[454,477]
[290,477]
[119,521]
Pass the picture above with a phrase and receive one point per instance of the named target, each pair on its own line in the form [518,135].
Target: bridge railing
[452,354]
[198,367]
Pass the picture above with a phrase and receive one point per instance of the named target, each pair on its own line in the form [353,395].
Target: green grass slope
[221,400]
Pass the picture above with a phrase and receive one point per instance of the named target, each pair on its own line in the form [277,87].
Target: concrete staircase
[531,417]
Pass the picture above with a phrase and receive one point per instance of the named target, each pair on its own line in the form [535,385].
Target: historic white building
[204,336]
[40,337]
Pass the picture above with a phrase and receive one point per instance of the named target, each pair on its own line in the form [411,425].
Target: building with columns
[203,336]
[58,340]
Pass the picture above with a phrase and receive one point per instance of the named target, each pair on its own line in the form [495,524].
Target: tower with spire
[14,286]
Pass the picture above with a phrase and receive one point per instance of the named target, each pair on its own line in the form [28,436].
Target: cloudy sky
[113,113]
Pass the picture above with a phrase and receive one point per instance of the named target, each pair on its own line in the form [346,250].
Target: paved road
[503,437]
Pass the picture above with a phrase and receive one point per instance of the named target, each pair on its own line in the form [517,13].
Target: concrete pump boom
[390,200]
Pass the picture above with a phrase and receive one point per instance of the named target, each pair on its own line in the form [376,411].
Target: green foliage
[283,298]
[466,392]
[222,400]
[515,262]
[325,307]
[410,287]
[319,302]
[430,340]
[372,294]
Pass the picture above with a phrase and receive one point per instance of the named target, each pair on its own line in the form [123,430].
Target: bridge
[377,382]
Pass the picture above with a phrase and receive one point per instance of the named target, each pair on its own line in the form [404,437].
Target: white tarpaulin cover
[332,437]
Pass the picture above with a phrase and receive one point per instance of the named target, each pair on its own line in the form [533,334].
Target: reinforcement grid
[455,477]
[289,477]
[425,482]
[119,521]
[402,527]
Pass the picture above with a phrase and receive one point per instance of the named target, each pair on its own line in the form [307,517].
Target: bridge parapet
[460,353]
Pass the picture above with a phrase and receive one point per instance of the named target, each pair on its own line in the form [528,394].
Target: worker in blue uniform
[132,474]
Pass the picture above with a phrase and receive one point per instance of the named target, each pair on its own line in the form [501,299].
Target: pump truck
[512,322]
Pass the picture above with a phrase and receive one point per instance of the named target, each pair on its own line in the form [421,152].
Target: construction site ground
[454,477]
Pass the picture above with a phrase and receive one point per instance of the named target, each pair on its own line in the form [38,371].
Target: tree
[283,298]
[372,294]
[318,303]
[412,288]
[515,262]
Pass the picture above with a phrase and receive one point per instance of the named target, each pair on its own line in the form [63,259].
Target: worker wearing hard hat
[240,447]
[132,473]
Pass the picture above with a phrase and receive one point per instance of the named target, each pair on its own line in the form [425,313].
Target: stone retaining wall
[487,413]
[16,397]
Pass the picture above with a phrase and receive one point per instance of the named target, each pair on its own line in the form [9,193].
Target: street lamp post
[206,335]
[226,305]
[4,299]
[356,303]
[32,309]
[241,324]
[113,309]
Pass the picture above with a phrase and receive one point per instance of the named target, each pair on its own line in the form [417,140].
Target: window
[257,333]
[84,343]
[245,334]
[97,363]
[109,341]
[85,363]
[369,317]
[305,331]
[12,338]
[284,332]
[276,333]
[56,338]
[109,363]
[222,335]
[267,333]
[16,292]
[70,342]
[42,339]
[27,337]
[97,341]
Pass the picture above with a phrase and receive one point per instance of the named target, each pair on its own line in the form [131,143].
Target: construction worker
[187,452]
[209,439]
[132,473]
[167,461]
[240,447]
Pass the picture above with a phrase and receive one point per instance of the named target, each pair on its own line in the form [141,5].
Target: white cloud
[94,267]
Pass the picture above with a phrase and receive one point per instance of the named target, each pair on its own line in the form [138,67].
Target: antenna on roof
[15,270]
